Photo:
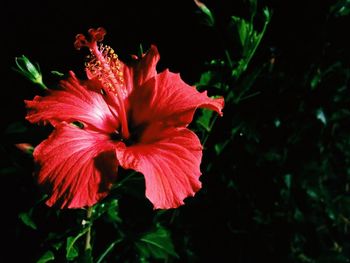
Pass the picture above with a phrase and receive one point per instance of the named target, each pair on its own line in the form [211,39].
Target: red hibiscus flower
[128,115]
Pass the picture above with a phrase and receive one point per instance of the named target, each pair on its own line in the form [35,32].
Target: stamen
[105,66]
[96,69]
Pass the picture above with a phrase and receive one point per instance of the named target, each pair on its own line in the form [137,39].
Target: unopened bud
[30,71]
[25,147]
[209,16]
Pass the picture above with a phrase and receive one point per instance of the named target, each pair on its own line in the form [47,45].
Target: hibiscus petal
[141,70]
[77,166]
[168,99]
[171,166]
[76,102]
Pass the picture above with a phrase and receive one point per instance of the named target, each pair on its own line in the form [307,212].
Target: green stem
[228,57]
[43,86]
[210,129]
[248,96]
[88,233]
[108,250]
[124,179]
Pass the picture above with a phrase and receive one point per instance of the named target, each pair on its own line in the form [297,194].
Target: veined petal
[142,69]
[77,166]
[167,98]
[76,102]
[170,164]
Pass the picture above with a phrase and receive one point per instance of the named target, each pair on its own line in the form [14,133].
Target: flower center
[106,67]
[135,134]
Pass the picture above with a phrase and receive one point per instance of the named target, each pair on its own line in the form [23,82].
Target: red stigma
[96,35]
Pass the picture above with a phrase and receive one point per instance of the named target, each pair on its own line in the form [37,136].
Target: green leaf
[27,220]
[315,80]
[219,147]
[250,40]
[57,245]
[46,257]
[298,215]
[71,251]
[312,193]
[156,244]
[86,257]
[320,116]
[205,79]
[204,119]
[288,180]
[331,214]
[341,8]
[112,211]
[108,208]
[243,27]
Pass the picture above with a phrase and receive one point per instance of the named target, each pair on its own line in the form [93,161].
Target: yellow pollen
[96,69]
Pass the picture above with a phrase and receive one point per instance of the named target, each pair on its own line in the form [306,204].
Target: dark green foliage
[283,149]
[46,257]
[156,244]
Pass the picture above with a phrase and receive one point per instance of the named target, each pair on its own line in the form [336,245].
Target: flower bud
[25,147]
[30,71]
[206,11]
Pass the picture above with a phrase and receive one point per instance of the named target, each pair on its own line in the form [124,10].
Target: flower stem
[43,86]
[88,233]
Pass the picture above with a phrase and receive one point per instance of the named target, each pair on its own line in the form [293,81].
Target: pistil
[105,66]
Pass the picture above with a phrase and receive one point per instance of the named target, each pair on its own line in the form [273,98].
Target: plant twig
[88,233]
